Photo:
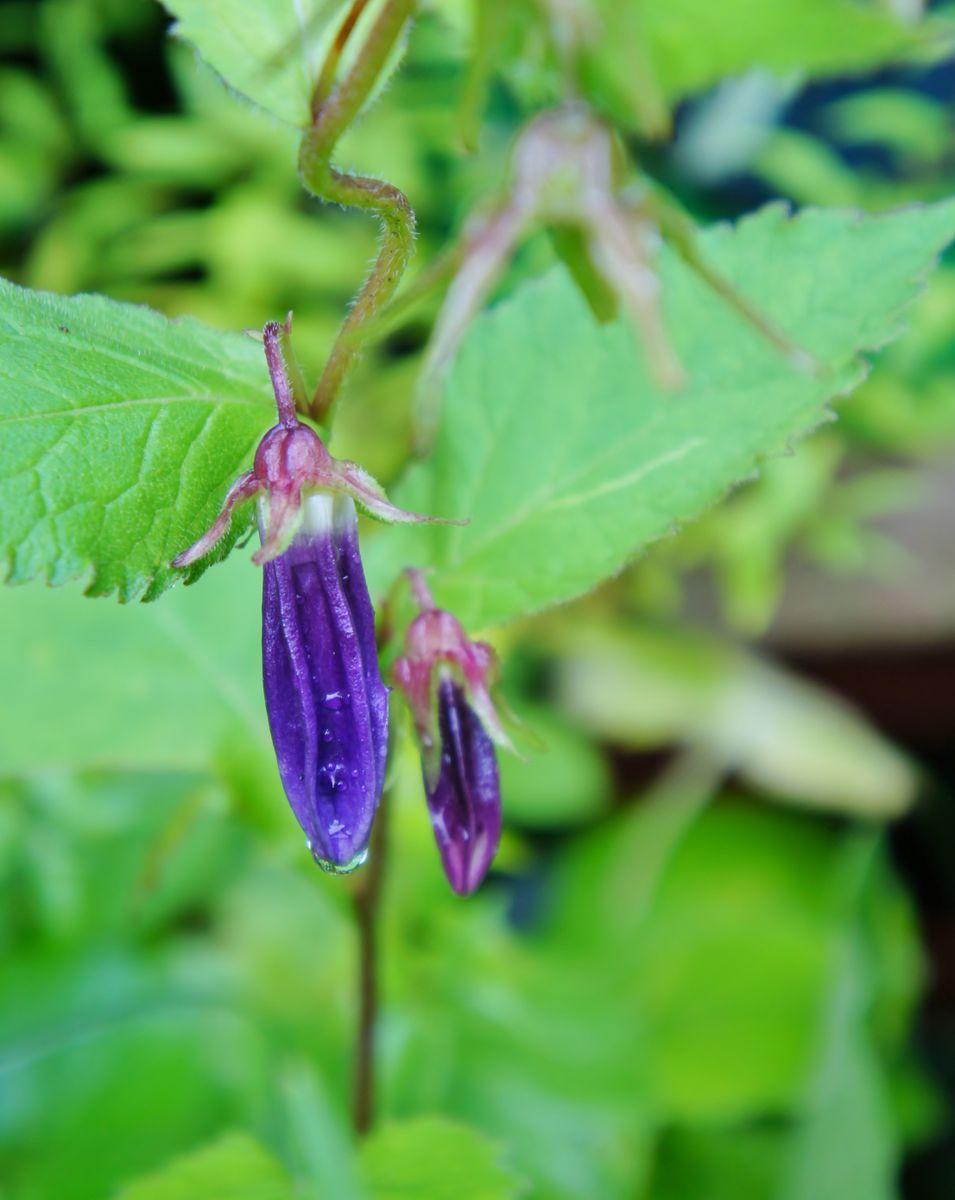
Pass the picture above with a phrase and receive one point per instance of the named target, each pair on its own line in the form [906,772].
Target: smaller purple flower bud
[326,703]
[445,677]
[465,799]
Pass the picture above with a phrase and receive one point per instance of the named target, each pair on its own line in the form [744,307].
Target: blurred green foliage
[676,991]
[171,972]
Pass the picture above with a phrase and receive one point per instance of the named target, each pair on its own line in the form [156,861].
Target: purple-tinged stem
[419,589]
[275,337]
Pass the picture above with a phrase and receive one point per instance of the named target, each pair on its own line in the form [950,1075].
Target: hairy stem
[326,79]
[331,117]
[366,901]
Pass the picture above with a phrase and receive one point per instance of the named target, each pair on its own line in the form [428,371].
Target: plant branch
[331,117]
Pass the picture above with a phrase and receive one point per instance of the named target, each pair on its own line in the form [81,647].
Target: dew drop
[331,777]
[334,701]
[334,868]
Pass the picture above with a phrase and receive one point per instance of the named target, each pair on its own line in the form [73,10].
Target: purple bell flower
[326,702]
[327,705]
[446,678]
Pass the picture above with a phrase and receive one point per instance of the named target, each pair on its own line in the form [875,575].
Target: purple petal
[326,703]
[465,803]
[356,595]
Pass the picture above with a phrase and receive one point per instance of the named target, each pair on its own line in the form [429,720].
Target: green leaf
[567,460]
[143,686]
[727,926]
[730,956]
[846,1143]
[693,43]
[269,50]
[234,1168]
[121,431]
[847,1140]
[431,1158]
[105,852]
[739,1163]
[319,1142]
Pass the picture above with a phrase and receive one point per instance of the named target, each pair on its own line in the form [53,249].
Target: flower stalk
[333,110]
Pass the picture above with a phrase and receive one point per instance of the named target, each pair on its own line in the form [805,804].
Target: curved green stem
[326,79]
[331,117]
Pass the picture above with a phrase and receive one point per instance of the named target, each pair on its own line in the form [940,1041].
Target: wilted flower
[326,702]
[445,677]
[567,173]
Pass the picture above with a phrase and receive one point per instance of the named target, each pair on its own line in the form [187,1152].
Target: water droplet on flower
[331,777]
[334,868]
[334,701]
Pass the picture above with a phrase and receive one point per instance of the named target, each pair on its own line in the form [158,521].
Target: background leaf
[692,43]
[170,682]
[431,1158]
[272,51]
[846,1141]
[567,460]
[121,432]
[269,50]
[234,1168]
